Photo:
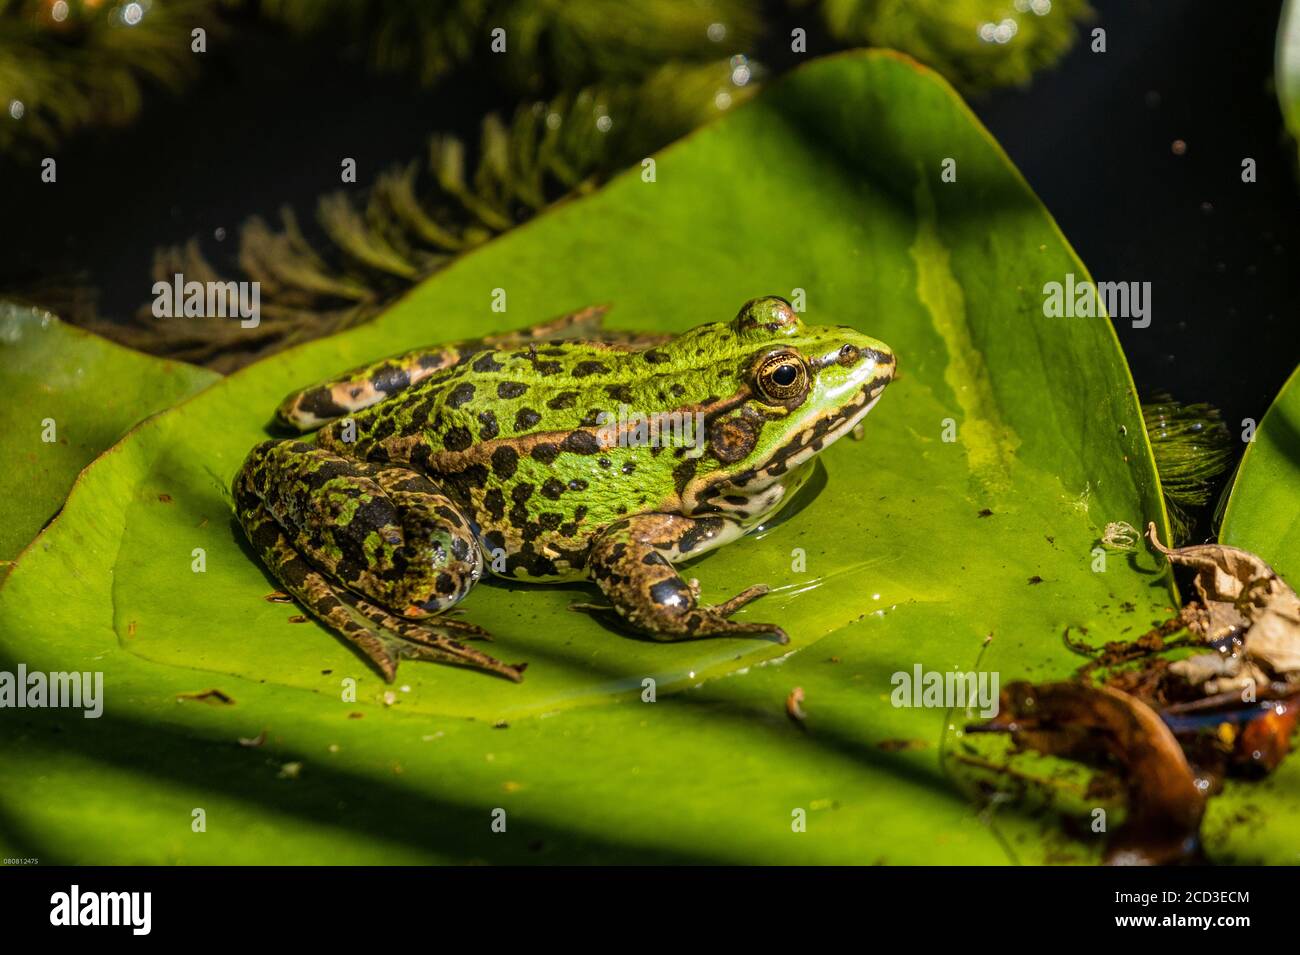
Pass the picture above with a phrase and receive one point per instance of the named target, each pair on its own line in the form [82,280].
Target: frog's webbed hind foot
[630,563]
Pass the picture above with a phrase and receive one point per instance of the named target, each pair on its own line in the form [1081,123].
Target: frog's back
[525,440]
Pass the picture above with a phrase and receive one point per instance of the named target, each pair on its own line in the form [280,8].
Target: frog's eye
[781,377]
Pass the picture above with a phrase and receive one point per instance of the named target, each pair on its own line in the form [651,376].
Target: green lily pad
[1263,511]
[69,396]
[962,533]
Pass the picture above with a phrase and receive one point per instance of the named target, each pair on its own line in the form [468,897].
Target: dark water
[270,117]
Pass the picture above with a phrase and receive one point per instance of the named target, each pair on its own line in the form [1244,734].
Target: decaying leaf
[1100,724]
[1241,598]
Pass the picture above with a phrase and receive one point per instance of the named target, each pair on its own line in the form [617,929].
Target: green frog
[561,452]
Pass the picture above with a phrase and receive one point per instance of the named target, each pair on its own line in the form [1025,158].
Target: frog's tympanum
[558,453]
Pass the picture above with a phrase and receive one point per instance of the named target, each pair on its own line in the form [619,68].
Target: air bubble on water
[740,71]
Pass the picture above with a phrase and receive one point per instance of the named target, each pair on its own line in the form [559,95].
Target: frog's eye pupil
[785,375]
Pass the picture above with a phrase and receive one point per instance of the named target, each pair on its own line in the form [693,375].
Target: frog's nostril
[849,356]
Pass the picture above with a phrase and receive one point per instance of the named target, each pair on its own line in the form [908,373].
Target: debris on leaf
[1120,535]
[1243,606]
[255,741]
[794,705]
[1100,724]
[206,696]
[290,770]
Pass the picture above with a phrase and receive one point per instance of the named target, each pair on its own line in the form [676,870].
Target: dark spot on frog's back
[584,368]
[581,442]
[564,399]
[505,460]
[487,362]
[488,426]
[545,452]
[655,357]
[526,418]
[511,389]
[457,438]
[495,503]
[552,488]
[619,393]
[460,394]
[390,379]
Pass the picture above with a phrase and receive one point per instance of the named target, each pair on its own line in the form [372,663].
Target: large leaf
[1263,511]
[68,396]
[919,550]
[1250,821]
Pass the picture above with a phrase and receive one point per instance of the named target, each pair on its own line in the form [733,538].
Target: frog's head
[802,387]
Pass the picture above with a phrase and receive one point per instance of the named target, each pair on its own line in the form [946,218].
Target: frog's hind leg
[370,384]
[631,562]
[328,527]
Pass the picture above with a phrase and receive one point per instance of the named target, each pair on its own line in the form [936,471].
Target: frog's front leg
[372,551]
[631,562]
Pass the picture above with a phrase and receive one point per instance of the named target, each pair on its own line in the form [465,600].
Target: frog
[515,456]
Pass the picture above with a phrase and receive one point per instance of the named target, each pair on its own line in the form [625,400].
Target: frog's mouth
[812,438]
[823,432]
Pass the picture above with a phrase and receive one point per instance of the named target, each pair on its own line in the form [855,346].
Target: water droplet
[553,120]
[132,14]
[1041,7]
[59,12]
[16,109]
[604,123]
[717,32]
[722,100]
[220,234]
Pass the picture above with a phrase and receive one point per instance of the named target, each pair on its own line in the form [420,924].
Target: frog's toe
[729,607]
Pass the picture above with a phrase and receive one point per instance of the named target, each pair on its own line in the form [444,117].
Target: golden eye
[782,376]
